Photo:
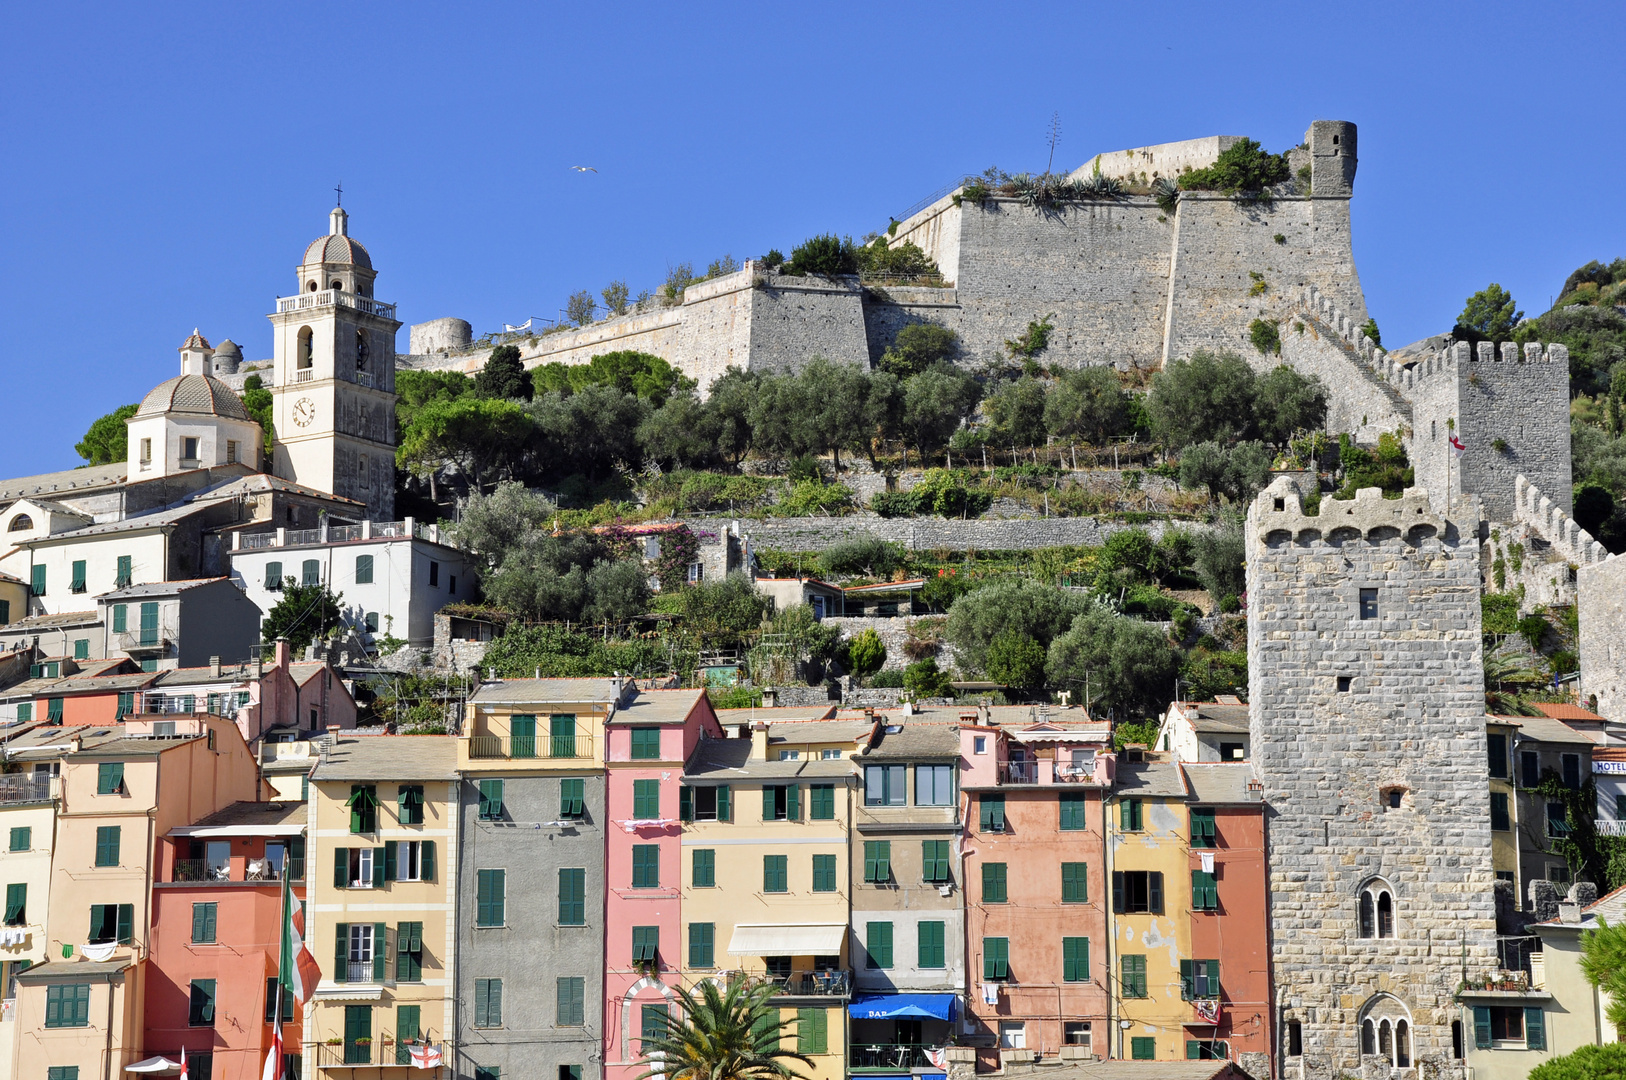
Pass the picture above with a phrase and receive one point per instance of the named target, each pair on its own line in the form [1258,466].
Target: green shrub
[811,498]
[1370,329]
[1015,660]
[826,255]
[948,493]
[917,347]
[923,680]
[734,697]
[866,555]
[892,680]
[1564,662]
[1032,341]
[865,654]
[1265,335]
[1144,733]
[1244,167]
[893,504]
[1386,468]
[804,467]
[1499,614]
[1533,628]
[1279,238]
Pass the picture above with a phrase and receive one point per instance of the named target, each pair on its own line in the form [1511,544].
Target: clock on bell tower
[334,399]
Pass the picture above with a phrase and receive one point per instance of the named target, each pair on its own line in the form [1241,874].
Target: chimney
[282,653]
[1569,913]
[759,741]
[214,667]
[75,743]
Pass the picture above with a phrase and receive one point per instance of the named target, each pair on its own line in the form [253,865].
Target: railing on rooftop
[251,541]
[153,640]
[22,788]
[339,534]
[486,747]
[335,298]
[303,536]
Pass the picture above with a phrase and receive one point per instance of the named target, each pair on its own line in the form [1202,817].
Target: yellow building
[765,879]
[1504,802]
[382,834]
[1148,862]
[27,828]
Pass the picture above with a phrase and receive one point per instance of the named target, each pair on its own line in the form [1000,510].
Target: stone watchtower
[334,402]
[1367,722]
[1332,158]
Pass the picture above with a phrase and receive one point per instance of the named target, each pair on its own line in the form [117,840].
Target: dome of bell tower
[336,261]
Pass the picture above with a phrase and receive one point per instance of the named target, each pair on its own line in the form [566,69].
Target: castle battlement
[1554,525]
[1279,516]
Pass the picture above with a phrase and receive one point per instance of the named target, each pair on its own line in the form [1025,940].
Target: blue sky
[166,164]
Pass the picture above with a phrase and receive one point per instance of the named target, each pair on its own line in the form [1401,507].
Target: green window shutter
[1143,1048]
[646,866]
[793,802]
[1072,811]
[705,868]
[1188,981]
[407,1021]
[652,1022]
[1482,1027]
[1535,1028]
[203,1002]
[646,944]
[725,810]
[562,735]
[702,942]
[646,744]
[81,649]
[1154,891]
[78,576]
[878,943]
[311,572]
[812,1031]
[1075,883]
[1129,815]
[363,804]
[482,1003]
[646,799]
[38,582]
[381,933]
[341,868]
[934,861]
[770,802]
[17,904]
[149,623]
[123,578]
[273,576]
[878,861]
[491,800]
[121,618]
[1203,833]
[364,569]
[775,874]
[408,952]
[572,995]
[409,804]
[25,711]
[822,802]
[426,856]
[522,736]
[358,1025]
[489,888]
[824,873]
[107,845]
[929,936]
[1204,891]
[380,860]
[126,703]
[53,710]
[993,883]
[1075,959]
[341,952]
[996,958]
[22,838]
[991,813]
[765,1032]
[572,797]
[573,896]
[1132,975]
[389,862]
[126,923]
[685,804]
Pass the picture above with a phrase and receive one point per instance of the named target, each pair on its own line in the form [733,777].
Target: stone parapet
[1573,543]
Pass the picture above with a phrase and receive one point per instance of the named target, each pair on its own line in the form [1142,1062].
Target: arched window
[19,523]
[1386,915]
[306,350]
[361,350]
[1386,1031]
[1402,1058]
[1369,1039]
[311,287]
[337,286]
[1375,910]
[1367,926]
[1386,1039]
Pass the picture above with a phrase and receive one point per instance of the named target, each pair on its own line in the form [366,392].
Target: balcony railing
[888,1057]
[1019,772]
[487,747]
[256,870]
[201,870]
[1065,772]
[338,534]
[1612,828]
[364,378]
[817,984]
[250,541]
[23,788]
[304,375]
[147,641]
[335,298]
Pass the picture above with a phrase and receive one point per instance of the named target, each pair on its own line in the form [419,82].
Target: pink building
[648,742]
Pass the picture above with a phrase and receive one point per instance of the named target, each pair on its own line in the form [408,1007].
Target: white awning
[154,1066]
[787,939]
[286,828]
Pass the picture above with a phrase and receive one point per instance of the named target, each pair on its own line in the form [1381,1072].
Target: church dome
[198,394]
[337,249]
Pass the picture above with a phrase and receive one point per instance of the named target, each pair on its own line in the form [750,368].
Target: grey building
[530,972]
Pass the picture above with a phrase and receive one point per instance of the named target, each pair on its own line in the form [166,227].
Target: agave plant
[722,1032]
[1166,192]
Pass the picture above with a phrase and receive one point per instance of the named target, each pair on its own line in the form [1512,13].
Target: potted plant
[335,1041]
[364,1041]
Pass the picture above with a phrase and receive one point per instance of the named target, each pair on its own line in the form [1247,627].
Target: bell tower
[334,399]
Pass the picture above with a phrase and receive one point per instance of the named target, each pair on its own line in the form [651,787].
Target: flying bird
[584,168]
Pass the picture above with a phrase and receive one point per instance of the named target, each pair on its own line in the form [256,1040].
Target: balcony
[24,788]
[143,642]
[1019,772]
[257,871]
[335,298]
[364,378]
[888,1057]
[1082,772]
[823,984]
[1611,828]
[304,375]
[514,747]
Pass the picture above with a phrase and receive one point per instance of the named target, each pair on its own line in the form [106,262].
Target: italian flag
[297,974]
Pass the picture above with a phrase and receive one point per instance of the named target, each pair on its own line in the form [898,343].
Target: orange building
[216,930]
[1035,890]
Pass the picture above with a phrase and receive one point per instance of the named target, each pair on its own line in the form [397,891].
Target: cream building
[191,421]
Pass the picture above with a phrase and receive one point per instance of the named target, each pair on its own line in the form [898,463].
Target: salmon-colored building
[1035,888]
[647,743]
[216,932]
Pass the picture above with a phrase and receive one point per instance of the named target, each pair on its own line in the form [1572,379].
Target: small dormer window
[20,523]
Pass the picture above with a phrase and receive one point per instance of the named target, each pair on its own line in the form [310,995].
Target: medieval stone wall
[934,534]
[1409,722]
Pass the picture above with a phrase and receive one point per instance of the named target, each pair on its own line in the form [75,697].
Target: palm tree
[723,1032]
[1502,671]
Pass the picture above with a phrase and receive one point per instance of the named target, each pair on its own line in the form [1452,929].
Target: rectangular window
[1529,769]
[363,804]
[1075,959]
[812,1031]
[434,572]
[53,710]
[1129,815]
[1075,883]
[204,923]
[491,794]
[231,451]
[64,1072]
[273,576]
[573,797]
[202,1011]
[1143,1048]
[993,883]
[408,1030]
[488,1072]
[705,869]
[646,944]
[573,896]
[409,952]
[996,958]
[81,649]
[107,845]
[1137,892]
[1132,976]
[409,804]
[775,875]
[1203,834]
[886,785]
[78,583]
[364,569]
[652,1022]
[572,1007]
[1496,750]
[781,802]
[67,1005]
[1072,811]
[1558,823]
[824,873]
[1199,979]
[1204,891]
[1295,1038]
[22,838]
[930,952]
[562,735]
[110,778]
[878,861]
[878,944]
[1369,603]
[822,802]
[1535,1028]
[123,575]
[17,904]
[934,862]
[934,785]
[991,812]
[646,800]
[646,744]
[522,736]
[1501,820]
[111,922]
[1206,1050]
[37,585]
[488,1003]
[310,572]
[1572,771]
[704,803]
[272,989]
[702,944]
[490,897]
[646,866]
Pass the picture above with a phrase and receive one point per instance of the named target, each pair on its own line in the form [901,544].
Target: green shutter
[53,710]
[725,810]
[1129,815]
[1188,981]
[1204,891]
[1075,959]
[878,861]
[793,802]
[572,1010]
[407,1030]
[78,576]
[522,736]
[389,862]
[109,777]
[929,937]
[203,922]
[702,943]
[646,866]
[408,952]
[934,861]
[1075,883]
[646,944]
[381,937]
[822,802]
[491,800]
[878,943]
[562,735]
[991,811]
[572,797]
[341,868]
[341,952]
[646,744]
[311,572]
[1154,891]
[364,569]
[993,883]
[1482,1027]
[273,576]
[824,873]
[38,582]
[1132,976]
[149,623]
[358,1025]
[81,649]
[489,888]
[22,838]
[765,1032]
[573,897]
[685,803]
[1203,833]
[996,958]
[1535,1028]
[107,845]
[812,1031]
[775,876]
[203,1002]
[1143,1048]
[426,859]
[770,802]
[126,923]
[409,804]
[1073,806]
[380,862]
[121,617]
[705,869]
[646,800]
[123,578]
[16,904]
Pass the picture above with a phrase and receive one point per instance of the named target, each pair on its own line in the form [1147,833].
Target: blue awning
[885,1006]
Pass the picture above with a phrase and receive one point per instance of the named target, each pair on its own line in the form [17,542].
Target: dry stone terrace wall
[933,534]
[1411,720]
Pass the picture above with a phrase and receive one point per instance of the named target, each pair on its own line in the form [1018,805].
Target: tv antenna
[1053,136]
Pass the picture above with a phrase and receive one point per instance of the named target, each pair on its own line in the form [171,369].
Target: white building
[1206,730]
[392,576]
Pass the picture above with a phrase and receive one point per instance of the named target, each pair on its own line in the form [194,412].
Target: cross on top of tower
[338,193]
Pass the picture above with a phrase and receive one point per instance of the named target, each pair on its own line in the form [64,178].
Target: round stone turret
[228,358]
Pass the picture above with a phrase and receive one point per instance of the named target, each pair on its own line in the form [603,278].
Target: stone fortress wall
[1330,753]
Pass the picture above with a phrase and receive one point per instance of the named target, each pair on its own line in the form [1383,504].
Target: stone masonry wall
[932,534]
[1412,720]
[1601,600]
[1359,401]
